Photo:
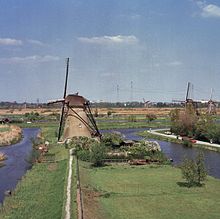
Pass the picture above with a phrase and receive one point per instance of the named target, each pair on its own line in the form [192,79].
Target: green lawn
[39,195]
[150,192]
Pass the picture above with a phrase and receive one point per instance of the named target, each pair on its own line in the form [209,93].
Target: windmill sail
[64,96]
[76,115]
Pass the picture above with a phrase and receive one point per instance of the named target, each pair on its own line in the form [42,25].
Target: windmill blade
[66,80]
[61,122]
[211,95]
[55,101]
[187,91]
[64,96]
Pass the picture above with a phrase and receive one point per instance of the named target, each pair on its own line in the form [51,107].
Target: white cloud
[208,10]
[108,40]
[29,59]
[10,42]
[174,63]
[36,42]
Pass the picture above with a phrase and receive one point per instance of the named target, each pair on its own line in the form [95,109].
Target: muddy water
[17,163]
[177,151]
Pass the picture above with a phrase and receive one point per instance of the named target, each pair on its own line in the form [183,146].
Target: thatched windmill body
[76,117]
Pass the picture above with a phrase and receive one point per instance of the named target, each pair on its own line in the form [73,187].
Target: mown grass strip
[39,195]
[150,192]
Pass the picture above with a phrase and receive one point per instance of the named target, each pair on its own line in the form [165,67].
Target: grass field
[117,191]
[148,192]
[112,123]
[41,193]
[10,134]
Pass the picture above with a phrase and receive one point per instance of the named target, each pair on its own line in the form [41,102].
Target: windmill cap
[76,100]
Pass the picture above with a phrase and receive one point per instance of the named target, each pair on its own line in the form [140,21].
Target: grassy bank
[39,195]
[122,191]
[42,191]
[174,140]
[159,137]
[10,134]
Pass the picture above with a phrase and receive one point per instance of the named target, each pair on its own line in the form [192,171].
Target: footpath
[155,132]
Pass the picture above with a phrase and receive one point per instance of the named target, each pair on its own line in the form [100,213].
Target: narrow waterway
[17,163]
[177,151]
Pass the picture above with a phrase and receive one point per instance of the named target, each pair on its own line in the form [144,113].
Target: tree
[194,171]
[112,139]
[200,168]
[183,123]
[189,171]
[97,154]
[205,127]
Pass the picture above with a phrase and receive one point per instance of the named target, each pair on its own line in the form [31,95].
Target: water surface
[17,163]
[177,151]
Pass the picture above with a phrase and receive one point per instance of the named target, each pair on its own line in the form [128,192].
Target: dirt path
[68,189]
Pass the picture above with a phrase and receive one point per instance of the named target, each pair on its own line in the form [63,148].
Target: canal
[177,151]
[17,163]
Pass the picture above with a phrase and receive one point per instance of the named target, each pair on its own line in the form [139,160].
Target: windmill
[189,102]
[76,117]
[211,108]
[146,103]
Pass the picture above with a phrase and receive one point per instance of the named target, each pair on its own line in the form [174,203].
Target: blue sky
[159,45]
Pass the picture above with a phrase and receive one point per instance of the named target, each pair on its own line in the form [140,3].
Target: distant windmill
[189,102]
[146,103]
[77,114]
[211,108]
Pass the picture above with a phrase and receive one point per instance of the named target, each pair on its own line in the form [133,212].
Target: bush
[139,152]
[80,142]
[193,171]
[188,169]
[83,155]
[97,154]
[112,139]
[187,143]
[33,116]
[200,168]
